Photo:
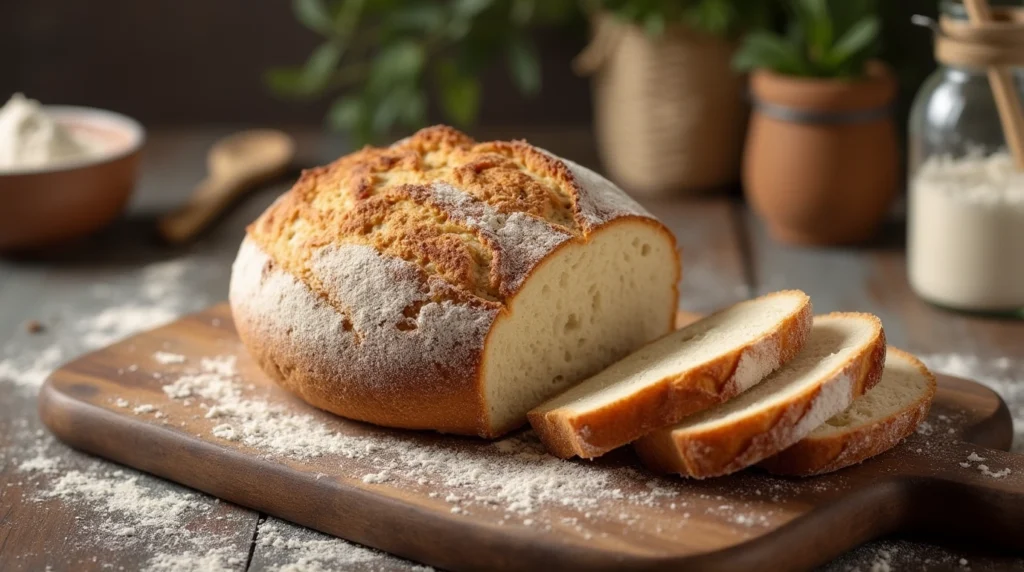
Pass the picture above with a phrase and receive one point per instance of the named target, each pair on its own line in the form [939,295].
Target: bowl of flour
[65,171]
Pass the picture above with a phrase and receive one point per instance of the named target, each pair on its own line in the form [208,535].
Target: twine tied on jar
[992,39]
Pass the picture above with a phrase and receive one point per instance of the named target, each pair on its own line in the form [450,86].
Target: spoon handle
[209,199]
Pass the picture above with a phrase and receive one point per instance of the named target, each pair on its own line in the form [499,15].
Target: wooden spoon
[1007,100]
[236,164]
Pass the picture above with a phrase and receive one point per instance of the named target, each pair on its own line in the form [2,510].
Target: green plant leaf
[816,22]
[554,11]
[347,16]
[320,66]
[764,50]
[654,24]
[346,113]
[861,37]
[283,81]
[460,93]
[521,11]
[391,108]
[524,65]
[396,63]
[311,79]
[712,16]
[415,112]
[314,15]
[471,8]
[427,17]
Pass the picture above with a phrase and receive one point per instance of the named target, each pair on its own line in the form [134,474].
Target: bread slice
[842,359]
[691,369]
[876,422]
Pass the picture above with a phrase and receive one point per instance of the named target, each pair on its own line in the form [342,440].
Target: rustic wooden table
[64,510]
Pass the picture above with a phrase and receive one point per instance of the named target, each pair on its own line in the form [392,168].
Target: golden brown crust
[589,434]
[728,448]
[819,455]
[370,288]
[380,197]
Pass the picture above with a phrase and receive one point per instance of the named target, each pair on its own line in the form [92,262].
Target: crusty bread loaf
[691,369]
[842,358]
[446,284]
[876,422]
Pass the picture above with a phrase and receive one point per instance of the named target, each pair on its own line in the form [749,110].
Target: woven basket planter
[670,113]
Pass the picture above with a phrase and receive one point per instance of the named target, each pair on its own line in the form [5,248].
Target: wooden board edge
[66,413]
[66,416]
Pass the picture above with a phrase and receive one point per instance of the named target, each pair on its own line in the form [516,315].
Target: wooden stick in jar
[1008,101]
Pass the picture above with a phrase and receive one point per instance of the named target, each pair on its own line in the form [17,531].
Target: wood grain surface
[81,295]
[794,523]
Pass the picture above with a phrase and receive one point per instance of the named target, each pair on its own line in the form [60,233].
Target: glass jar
[965,244]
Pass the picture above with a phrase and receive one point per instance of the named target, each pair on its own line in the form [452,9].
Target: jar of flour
[965,245]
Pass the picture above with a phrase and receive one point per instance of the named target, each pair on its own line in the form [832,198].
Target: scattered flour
[29,371]
[376,478]
[1002,375]
[216,560]
[904,556]
[168,358]
[515,475]
[118,493]
[118,322]
[153,296]
[41,463]
[304,550]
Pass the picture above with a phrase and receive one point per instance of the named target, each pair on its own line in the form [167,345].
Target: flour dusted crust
[370,288]
[818,455]
[730,447]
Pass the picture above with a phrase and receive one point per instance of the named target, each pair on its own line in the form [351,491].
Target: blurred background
[819,114]
[168,63]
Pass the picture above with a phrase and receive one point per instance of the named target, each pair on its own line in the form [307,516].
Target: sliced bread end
[876,422]
[842,359]
[676,376]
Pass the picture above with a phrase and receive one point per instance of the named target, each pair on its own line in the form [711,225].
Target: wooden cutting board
[466,504]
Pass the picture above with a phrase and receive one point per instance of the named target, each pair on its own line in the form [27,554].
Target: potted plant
[383,59]
[669,112]
[821,157]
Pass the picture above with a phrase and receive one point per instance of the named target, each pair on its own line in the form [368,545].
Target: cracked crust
[726,448]
[386,198]
[370,288]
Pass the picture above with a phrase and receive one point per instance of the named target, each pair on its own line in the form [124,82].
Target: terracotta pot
[821,160]
[669,112]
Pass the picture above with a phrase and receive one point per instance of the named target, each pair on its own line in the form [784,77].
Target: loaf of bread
[447,284]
